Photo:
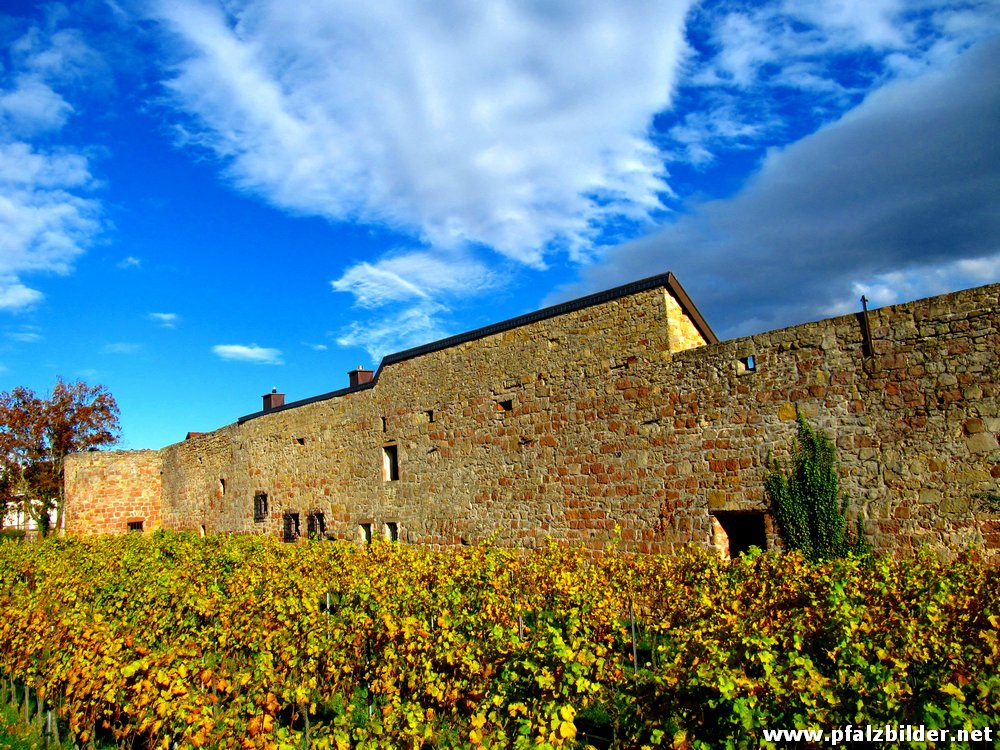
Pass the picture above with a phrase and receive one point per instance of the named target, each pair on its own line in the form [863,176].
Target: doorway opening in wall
[736,531]
[391,530]
[290,527]
[365,532]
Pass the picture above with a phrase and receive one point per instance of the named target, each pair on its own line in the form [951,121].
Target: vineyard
[174,641]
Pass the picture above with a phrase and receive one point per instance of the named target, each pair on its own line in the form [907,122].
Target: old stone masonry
[618,414]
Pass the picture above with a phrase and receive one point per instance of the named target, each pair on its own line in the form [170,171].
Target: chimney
[273,400]
[360,376]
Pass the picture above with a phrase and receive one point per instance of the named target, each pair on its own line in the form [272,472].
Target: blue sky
[200,201]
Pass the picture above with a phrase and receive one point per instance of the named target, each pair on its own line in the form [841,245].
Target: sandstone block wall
[617,419]
[105,491]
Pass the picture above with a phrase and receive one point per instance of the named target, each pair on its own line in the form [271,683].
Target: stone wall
[106,491]
[614,419]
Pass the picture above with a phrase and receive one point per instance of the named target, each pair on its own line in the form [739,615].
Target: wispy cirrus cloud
[512,126]
[27,335]
[165,319]
[499,132]
[122,347]
[252,354]
[417,287]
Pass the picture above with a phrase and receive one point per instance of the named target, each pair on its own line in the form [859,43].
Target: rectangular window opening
[290,527]
[300,441]
[748,364]
[365,533]
[135,526]
[506,405]
[385,425]
[260,507]
[735,532]
[222,486]
[391,531]
[315,525]
[390,463]
[430,415]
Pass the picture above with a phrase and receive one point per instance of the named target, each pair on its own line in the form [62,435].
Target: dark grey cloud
[900,196]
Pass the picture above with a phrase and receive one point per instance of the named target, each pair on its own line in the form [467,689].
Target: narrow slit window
[385,425]
[290,527]
[430,415]
[260,507]
[222,486]
[391,531]
[315,525]
[390,463]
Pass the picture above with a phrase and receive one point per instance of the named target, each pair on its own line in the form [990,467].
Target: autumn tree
[36,435]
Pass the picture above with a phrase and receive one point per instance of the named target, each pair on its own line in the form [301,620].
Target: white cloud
[43,225]
[130,262]
[253,354]
[921,281]
[46,218]
[515,126]
[167,320]
[57,52]
[16,296]
[31,107]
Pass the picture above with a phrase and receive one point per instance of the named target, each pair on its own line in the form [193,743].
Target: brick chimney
[273,400]
[360,376]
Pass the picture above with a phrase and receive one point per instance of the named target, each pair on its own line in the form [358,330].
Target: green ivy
[807,501]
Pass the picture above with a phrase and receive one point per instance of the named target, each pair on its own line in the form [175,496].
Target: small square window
[135,526]
[506,405]
[390,463]
[391,531]
[735,532]
[748,364]
[260,507]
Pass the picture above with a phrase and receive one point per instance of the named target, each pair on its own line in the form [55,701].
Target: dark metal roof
[667,280]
